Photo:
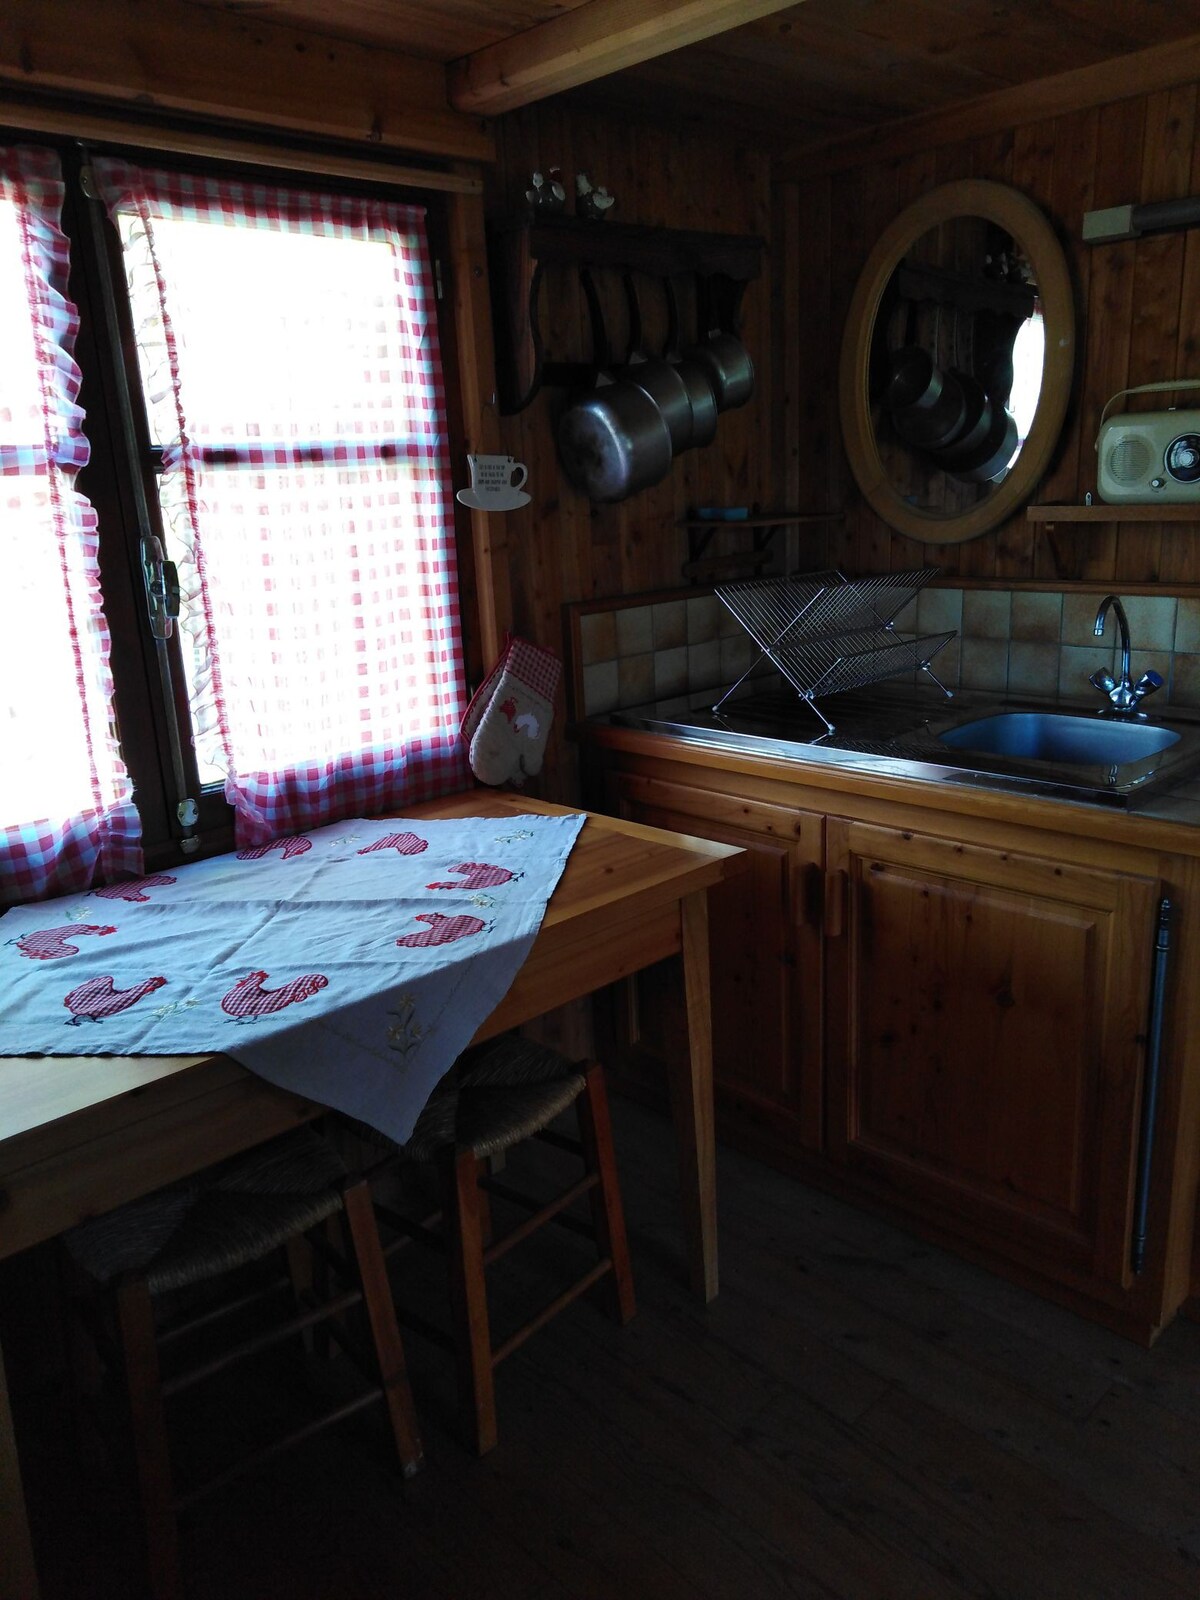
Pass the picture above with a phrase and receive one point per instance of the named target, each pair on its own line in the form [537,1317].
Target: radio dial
[1182,458]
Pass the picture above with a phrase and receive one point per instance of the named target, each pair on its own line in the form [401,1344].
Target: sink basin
[1055,737]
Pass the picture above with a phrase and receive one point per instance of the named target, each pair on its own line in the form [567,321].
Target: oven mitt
[508,736]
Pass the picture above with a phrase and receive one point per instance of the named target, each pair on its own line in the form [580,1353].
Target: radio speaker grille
[1129,460]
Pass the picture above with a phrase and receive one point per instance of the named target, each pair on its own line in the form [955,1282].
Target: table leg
[18,1580]
[691,1083]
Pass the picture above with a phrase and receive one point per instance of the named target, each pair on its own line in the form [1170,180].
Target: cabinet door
[986,1017]
[765,953]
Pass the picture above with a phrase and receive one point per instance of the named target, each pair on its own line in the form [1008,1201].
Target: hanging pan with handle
[723,356]
[657,377]
[612,440]
[695,377]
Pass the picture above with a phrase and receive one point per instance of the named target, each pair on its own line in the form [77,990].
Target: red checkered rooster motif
[248,999]
[99,998]
[441,930]
[133,891]
[408,844]
[50,944]
[477,875]
[295,846]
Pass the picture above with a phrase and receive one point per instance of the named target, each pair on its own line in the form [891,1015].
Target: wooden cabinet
[944,1013]
[766,951]
[986,1014]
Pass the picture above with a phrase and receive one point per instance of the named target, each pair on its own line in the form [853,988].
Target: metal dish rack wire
[826,632]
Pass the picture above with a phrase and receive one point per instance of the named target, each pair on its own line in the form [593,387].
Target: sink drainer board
[826,632]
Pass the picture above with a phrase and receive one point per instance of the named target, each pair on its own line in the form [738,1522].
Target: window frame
[124,465]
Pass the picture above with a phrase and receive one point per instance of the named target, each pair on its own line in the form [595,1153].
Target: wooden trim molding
[231,66]
[1162,66]
[72,121]
[589,42]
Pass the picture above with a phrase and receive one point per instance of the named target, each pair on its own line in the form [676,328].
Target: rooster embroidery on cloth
[49,944]
[408,844]
[477,875]
[295,846]
[248,999]
[441,930]
[132,892]
[98,998]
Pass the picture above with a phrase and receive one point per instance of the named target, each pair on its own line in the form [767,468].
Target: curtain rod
[85,124]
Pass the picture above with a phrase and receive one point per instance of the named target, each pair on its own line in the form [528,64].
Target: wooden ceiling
[807,73]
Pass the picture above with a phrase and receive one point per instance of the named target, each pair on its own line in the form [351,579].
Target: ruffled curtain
[289,355]
[68,814]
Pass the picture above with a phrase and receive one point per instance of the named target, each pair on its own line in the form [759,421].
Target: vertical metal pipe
[1158,986]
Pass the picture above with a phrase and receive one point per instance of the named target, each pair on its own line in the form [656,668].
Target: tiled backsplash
[1020,642]
[1042,643]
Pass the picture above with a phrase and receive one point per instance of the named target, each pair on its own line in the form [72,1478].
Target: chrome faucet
[1124,696]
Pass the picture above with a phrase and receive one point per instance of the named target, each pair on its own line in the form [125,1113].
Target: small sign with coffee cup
[497,484]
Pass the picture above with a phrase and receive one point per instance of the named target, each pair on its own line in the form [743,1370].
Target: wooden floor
[859,1415]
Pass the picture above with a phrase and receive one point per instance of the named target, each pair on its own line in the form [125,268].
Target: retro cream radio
[1146,456]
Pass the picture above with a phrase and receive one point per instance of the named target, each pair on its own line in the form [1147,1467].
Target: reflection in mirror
[957,361]
[956,364]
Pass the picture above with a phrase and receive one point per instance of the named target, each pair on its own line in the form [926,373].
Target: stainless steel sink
[1061,739]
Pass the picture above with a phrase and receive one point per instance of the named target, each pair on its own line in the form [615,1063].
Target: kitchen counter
[886,742]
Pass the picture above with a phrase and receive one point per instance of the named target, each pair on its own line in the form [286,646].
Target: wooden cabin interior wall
[560,547]
[1138,321]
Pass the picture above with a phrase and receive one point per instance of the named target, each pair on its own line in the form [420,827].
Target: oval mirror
[957,361]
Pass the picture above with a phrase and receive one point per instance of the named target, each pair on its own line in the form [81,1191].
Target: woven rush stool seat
[198,1231]
[509,1091]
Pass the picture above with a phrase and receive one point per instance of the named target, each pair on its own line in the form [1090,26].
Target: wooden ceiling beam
[169,56]
[1162,66]
[595,39]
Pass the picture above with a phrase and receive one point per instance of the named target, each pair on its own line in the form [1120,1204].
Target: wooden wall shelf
[520,249]
[1105,513]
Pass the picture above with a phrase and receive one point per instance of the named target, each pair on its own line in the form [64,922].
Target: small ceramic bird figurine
[591,202]
[547,194]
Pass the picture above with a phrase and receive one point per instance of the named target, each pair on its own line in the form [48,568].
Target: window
[288,463]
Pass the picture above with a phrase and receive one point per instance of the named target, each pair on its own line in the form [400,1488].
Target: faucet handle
[1104,681]
[1147,684]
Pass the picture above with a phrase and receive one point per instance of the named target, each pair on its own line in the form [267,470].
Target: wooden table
[80,1135]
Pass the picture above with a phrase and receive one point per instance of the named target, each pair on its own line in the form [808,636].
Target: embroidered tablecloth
[351,964]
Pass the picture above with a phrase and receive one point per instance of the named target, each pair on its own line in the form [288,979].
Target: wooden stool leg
[135,1315]
[381,1313]
[468,1300]
[608,1216]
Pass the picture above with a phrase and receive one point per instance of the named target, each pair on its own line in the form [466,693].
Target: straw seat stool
[506,1092]
[210,1229]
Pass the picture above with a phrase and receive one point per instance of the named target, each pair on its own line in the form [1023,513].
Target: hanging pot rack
[520,250]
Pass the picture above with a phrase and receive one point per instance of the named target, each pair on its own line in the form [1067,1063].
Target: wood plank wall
[561,548]
[1138,310]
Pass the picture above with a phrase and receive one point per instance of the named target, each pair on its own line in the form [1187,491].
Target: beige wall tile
[704,664]
[1076,663]
[986,614]
[936,611]
[704,614]
[671,671]
[634,633]
[984,664]
[598,637]
[1079,616]
[1187,626]
[945,665]
[1185,680]
[737,656]
[1033,668]
[1151,621]
[600,688]
[1036,618]
[669,624]
[635,679]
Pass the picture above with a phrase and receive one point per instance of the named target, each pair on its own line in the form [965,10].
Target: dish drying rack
[826,632]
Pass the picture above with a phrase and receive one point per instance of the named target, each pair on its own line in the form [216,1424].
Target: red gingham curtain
[69,803]
[305,489]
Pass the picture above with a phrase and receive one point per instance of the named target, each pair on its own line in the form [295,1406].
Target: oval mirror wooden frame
[1018,216]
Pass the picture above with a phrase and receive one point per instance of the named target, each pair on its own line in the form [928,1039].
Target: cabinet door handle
[835,904]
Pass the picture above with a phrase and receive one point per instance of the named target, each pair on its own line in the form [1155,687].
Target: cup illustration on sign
[496,484]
